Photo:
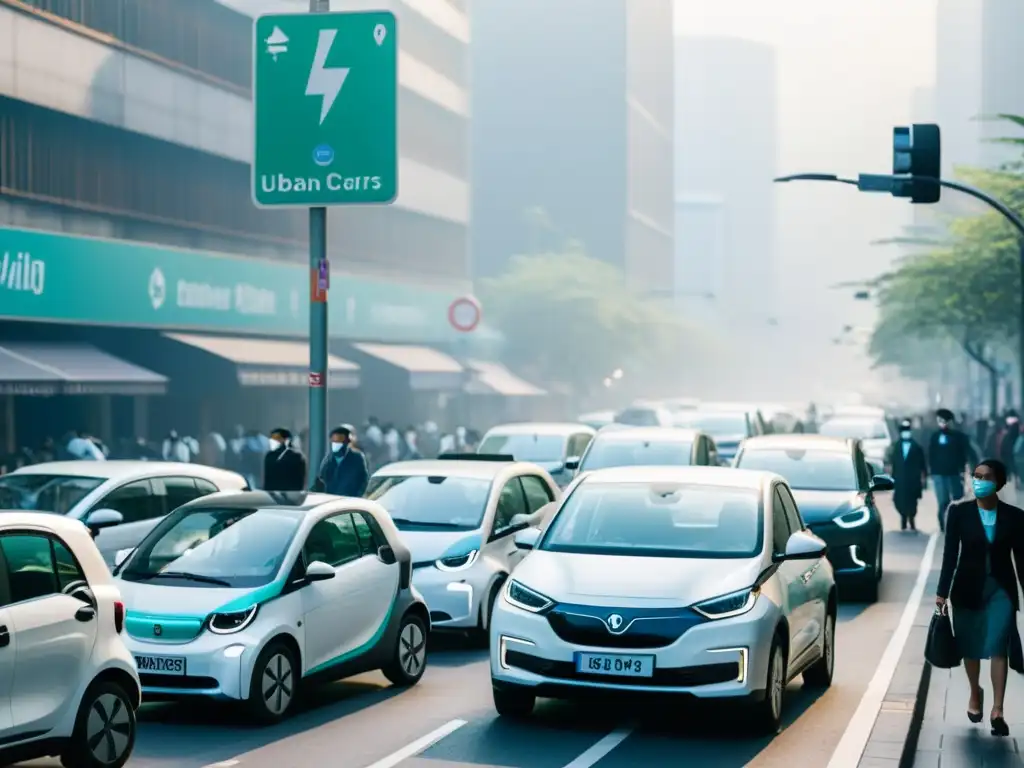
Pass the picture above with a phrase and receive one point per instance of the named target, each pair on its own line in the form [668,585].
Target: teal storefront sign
[62,278]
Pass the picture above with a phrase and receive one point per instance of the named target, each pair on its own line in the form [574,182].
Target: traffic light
[917,157]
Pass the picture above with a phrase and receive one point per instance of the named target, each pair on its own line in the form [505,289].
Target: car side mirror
[122,555]
[803,545]
[99,519]
[527,538]
[387,555]
[318,570]
[572,463]
[880,482]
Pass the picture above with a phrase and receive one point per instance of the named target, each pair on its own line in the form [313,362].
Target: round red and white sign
[465,314]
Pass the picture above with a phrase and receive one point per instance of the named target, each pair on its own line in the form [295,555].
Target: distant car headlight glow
[854,519]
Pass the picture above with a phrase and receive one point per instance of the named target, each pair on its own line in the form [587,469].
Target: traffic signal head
[917,157]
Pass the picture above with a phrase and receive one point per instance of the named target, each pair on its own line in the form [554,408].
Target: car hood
[184,600]
[656,581]
[427,546]
[819,506]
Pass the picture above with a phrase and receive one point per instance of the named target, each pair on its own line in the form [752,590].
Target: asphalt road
[362,723]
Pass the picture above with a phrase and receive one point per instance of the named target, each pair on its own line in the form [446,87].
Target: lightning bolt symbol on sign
[323,82]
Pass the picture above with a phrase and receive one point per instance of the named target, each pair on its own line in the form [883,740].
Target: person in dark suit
[344,471]
[284,466]
[909,468]
[984,535]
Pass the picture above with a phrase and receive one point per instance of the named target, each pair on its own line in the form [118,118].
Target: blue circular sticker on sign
[323,155]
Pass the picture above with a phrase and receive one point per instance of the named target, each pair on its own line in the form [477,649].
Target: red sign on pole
[316,379]
[319,282]
[464,314]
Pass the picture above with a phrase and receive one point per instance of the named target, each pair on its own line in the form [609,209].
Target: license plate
[161,665]
[615,665]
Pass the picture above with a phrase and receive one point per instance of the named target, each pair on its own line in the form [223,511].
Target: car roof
[540,428]
[483,470]
[719,476]
[647,434]
[798,441]
[300,501]
[109,470]
[55,523]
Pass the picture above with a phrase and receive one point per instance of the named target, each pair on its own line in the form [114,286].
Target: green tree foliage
[568,318]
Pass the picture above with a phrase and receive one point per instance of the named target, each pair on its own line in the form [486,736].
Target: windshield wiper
[424,523]
[183,575]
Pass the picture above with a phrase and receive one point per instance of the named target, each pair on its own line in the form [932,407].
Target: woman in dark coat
[983,537]
[909,468]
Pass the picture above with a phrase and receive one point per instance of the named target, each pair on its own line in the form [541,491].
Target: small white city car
[68,685]
[245,596]
[702,582]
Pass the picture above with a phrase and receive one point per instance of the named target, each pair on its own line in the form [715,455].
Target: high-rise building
[572,132]
[1002,88]
[725,161]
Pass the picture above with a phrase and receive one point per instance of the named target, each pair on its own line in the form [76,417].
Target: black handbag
[941,650]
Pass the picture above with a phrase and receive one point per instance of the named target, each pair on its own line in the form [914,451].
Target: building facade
[572,133]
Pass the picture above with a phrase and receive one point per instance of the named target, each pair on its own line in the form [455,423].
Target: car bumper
[215,666]
[851,551]
[453,597]
[713,660]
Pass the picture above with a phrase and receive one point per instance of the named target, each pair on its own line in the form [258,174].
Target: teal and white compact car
[248,596]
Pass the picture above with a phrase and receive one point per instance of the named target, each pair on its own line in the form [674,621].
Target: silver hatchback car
[697,581]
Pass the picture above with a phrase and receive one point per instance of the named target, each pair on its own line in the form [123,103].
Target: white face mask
[274,444]
[336,447]
[906,434]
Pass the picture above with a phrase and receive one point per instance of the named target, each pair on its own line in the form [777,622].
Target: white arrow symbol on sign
[325,82]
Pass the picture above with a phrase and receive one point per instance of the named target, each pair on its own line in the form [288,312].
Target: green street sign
[325,98]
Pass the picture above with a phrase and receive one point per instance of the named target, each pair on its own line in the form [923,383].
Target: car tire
[819,674]
[513,702]
[106,712]
[879,561]
[768,712]
[409,657]
[275,684]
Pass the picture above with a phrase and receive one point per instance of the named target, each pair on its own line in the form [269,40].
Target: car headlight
[727,606]
[853,519]
[526,599]
[458,562]
[234,621]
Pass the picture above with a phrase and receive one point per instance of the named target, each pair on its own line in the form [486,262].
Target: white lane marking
[851,746]
[597,752]
[421,744]
[223,764]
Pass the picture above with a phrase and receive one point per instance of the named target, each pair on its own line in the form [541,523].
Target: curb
[895,735]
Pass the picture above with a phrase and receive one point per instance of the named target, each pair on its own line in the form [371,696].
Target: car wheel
[511,702]
[104,732]
[819,675]
[275,683]
[768,712]
[409,659]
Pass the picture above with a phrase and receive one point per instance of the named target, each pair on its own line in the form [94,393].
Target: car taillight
[118,616]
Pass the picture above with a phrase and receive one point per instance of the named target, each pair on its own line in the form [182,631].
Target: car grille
[587,625]
[672,677]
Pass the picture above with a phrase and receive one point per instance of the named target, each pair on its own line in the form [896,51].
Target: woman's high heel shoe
[977,717]
[999,727]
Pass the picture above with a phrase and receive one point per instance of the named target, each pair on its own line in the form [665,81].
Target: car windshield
[623,453]
[419,502]
[526,447]
[857,429]
[805,470]
[237,548]
[728,425]
[45,493]
[658,520]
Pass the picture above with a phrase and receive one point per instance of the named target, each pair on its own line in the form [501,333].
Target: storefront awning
[270,362]
[428,368]
[42,368]
[496,379]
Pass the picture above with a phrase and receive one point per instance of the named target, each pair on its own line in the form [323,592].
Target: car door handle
[5,637]
[85,613]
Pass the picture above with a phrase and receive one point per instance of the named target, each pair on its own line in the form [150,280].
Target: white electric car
[458,516]
[697,581]
[247,596]
[68,685]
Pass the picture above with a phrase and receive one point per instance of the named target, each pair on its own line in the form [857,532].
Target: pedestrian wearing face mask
[284,466]
[949,453]
[906,462]
[984,536]
[1010,435]
[344,471]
